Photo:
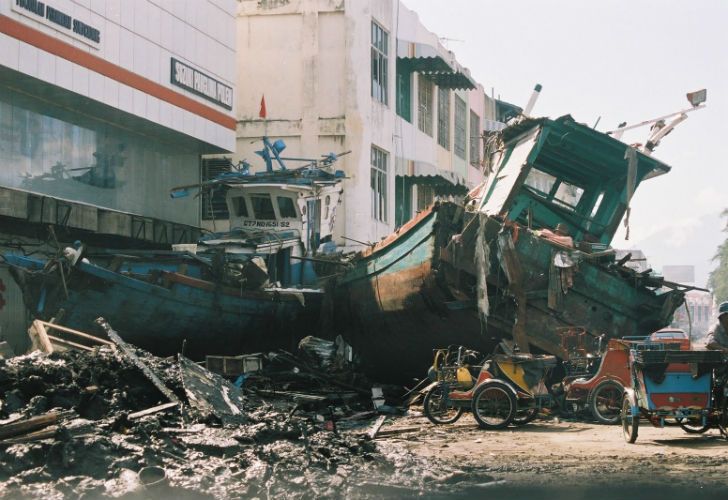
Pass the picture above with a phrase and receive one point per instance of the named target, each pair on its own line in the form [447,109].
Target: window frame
[425,104]
[379,177]
[281,208]
[475,142]
[460,126]
[213,203]
[265,196]
[443,117]
[379,63]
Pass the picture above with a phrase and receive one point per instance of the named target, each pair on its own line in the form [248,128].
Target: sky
[616,61]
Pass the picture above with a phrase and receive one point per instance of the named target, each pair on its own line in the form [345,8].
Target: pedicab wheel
[692,428]
[494,405]
[524,416]
[630,423]
[437,410]
[605,400]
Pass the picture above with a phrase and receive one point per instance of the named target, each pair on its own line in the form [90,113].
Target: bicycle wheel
[605,400]
[494,405]
[437,409]
[524,416]
[630,423]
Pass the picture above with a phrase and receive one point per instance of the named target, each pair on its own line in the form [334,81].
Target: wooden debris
[33,424]
[45,337]
[129,354]
[393,431]
[151,411]
[376,427]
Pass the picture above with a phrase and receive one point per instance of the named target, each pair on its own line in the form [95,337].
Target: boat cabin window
[286,207]
[568,195]
[597,204]
[262,207]
[555,190]
[240,207]
[540,181]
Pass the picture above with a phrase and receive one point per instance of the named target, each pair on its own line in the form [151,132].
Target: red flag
[263,113]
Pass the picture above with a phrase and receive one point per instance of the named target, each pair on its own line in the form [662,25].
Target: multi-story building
[363,76]
[104,106]
[698,312]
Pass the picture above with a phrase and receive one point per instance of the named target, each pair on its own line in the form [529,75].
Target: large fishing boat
[526,257]
[255,287]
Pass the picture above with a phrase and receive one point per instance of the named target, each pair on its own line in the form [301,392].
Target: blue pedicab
[671,384]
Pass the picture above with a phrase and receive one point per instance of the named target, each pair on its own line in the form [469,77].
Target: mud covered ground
[273,452]
[574,460]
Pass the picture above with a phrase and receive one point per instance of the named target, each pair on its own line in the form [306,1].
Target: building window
[443,117]
[404,93]
[424,104]
[461,111]
[380,49]
[474,139]
[425,196]
[379,184]
[214,205]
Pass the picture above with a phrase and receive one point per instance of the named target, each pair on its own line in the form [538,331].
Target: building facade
[104,106]
[699,312]
[369,78]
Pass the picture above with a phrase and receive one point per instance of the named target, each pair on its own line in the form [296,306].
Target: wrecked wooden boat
[255,287]
[497,267]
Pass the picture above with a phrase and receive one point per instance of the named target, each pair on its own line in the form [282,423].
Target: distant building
[698,312]
[679,274]
[368,77]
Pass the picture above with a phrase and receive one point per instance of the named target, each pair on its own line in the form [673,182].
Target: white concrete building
[364,76]
[104,106]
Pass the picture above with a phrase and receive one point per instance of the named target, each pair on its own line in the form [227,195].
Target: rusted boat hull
[416,291]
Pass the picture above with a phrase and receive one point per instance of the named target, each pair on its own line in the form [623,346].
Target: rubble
[93,423]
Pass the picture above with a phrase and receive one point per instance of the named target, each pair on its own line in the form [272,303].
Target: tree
[719,276]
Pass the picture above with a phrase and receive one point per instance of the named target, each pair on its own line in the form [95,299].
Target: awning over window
[435,62]
[427,173]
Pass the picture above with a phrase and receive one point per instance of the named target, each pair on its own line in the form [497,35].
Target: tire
[494,405]
[605,402]
[524,416]
[437,411]
[630,423]
[692,428]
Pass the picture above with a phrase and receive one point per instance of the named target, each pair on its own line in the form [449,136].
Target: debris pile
[93,423]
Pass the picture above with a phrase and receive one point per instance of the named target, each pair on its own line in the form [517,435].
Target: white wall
[311,59]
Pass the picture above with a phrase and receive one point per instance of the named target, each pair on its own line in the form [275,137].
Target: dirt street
[552,459]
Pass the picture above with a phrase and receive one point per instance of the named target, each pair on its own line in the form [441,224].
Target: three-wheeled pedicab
[501,389]
[668,383]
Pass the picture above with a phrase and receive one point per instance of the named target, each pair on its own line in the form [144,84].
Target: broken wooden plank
[69,344]
[129,354]
[39,337]
[393,431]
[33,423]
[376,427]
[65,329]
[151,411]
